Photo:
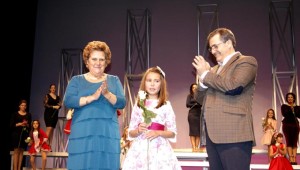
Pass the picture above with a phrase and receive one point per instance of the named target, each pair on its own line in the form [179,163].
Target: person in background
[52,104]
[152,126]
[19,125]
[125,145]
[38,144]
[229,87]
[194,117]
[290,125]
[269,128]
[95,97]
[277,154]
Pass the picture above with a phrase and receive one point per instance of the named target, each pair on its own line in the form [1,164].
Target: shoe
[50,148]
[202,149]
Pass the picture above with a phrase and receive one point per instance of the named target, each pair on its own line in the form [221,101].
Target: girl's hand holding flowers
[142,127]
[25,122]
[28,139]
[147,114]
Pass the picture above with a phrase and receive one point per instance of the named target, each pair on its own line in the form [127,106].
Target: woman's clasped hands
[101,90]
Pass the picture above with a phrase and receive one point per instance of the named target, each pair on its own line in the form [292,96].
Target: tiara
[162,72]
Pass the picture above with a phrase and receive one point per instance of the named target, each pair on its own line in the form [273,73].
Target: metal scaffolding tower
[137,55]
[207,21]
[71,64]
[284,68]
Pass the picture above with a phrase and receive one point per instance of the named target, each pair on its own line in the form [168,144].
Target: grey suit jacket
[227,106]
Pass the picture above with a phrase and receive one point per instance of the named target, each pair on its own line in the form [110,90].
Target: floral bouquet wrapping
[263,122]
[28,139]
[147,114]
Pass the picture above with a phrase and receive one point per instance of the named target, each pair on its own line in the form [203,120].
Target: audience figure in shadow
[20,126]
[290,125]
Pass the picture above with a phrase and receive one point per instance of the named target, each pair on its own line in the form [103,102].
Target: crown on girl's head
[161,71]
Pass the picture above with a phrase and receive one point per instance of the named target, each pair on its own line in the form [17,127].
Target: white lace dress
[157,154]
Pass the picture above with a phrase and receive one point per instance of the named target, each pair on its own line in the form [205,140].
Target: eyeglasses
[214,47]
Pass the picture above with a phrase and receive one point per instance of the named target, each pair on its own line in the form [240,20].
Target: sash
[156,126]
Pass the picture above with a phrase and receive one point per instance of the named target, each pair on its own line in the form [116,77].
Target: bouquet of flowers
[24,130]
[28,139]
[147,114]
[263,123]
[25,122]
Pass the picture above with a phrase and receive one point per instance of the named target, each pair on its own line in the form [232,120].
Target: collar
[227,58]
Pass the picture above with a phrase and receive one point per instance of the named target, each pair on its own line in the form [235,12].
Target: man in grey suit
[227,108]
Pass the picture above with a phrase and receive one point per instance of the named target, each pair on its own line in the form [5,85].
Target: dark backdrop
[18,37]
[72,23]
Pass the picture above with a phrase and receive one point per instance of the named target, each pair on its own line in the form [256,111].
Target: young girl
[269,128]
[125,144]
[150,148]
[38,143]
[277,153]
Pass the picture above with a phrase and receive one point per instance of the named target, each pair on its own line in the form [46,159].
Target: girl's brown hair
[32,129]
[163,93]
[275,136]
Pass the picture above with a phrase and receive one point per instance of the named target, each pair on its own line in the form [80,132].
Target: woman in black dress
[290,125]
[194,106]
[52,104]
[20,128]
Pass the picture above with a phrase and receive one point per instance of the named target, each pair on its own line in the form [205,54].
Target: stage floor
[188,160]
[198,160]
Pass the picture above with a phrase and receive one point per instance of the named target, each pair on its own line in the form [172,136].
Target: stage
[188,160]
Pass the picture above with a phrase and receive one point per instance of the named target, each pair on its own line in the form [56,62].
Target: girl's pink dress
[39,143]
[279,162]
[158,153]
[268,133]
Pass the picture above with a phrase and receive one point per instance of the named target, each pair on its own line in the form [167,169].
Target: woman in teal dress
[95,96]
